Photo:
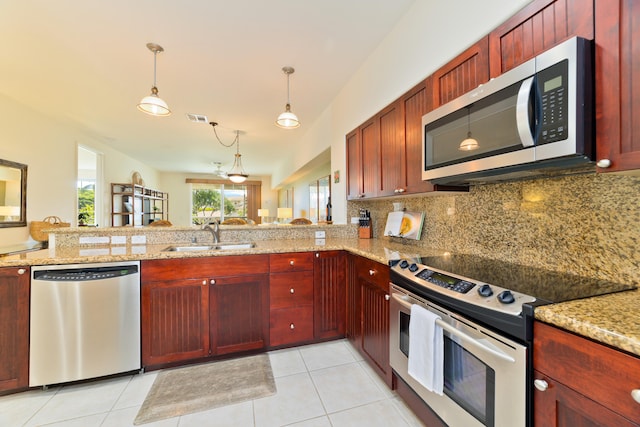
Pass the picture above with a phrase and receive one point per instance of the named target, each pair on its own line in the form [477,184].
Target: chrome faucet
[215,231]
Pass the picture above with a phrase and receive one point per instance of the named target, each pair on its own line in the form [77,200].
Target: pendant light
[153,104]
[288,120]
[237,173]
[469,144]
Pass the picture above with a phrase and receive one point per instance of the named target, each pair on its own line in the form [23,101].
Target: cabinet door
[329,294]
[375,328]
[392,151]
[353,327]
[617,91]
[14,332]
[462,74]
[354,166]
[561,406]
[239,313]
[415,104]
[370,142]
[539,26]
[175,321]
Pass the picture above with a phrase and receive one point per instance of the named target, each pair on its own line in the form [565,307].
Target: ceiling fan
[219,172]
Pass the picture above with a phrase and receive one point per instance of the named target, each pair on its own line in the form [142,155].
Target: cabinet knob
[291,263]
[372,272]
[292,326]
[635,393]
[204,282]
[317,254]
[603,163]
[387,297]
[542,385]
[399,190]
[212,281]
[21,271]
[291,290]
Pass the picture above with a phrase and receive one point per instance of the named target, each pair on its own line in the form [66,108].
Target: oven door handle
[467,339]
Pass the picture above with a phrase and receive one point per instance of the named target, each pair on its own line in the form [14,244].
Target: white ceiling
[87,61]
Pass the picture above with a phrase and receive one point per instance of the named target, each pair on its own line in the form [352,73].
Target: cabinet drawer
[291,325]
[299,261]
[373,272]
[600,373]
[291,289]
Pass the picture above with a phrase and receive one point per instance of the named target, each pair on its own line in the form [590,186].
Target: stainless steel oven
[486,312]
[484,373]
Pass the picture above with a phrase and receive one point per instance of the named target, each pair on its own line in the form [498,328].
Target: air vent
[197,118]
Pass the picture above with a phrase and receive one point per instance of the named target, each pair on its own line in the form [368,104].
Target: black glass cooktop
[540,283]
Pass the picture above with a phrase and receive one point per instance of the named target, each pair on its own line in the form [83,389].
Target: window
[219,200]
[87,186]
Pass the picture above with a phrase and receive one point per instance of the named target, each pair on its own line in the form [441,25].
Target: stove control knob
[485,290]
[404,263]
[506,297]
[413,267]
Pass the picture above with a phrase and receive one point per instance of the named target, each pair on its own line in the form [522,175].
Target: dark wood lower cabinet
[329,294]
[14,328]
[581,383]
[175,321]
[239,309]
[368,312]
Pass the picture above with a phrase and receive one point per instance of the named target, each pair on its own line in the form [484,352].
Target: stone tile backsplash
[583,224]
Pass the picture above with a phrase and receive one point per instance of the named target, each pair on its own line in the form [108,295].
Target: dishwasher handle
[80,274]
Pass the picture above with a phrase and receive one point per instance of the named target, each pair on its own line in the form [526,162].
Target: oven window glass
[404,333]
[469,382]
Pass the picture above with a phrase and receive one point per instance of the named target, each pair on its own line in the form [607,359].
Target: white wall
[426,37]
[49,148]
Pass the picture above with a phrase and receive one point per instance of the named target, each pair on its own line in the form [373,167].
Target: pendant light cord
[235,140]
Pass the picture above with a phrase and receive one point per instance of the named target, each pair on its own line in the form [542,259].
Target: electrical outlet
[118,240]
[320,234]
[138,240]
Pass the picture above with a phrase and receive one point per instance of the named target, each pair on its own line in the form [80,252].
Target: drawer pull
[387,297]
[213,281]
[292,326]
[635,393]
[542,385]
[372,272]
[291,263]
[204,282]
[21,271]
[291,290]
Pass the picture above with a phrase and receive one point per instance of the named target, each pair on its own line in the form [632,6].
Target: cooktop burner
[546,285]
[499,294]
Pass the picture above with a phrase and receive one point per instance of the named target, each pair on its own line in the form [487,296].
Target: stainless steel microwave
[534,119]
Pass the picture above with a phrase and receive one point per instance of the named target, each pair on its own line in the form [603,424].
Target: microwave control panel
[553,87]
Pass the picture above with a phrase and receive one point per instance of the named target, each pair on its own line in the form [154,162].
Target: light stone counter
[612,319]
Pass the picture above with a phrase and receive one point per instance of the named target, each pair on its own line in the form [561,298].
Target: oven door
[484,373]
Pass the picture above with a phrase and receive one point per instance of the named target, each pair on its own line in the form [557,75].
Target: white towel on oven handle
[426,349]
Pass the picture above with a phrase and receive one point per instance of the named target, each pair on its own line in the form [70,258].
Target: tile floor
[320,385]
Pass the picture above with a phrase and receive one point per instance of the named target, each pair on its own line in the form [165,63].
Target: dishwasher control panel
[83,275]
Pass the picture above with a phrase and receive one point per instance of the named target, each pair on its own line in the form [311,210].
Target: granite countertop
[375,249]
[611,319]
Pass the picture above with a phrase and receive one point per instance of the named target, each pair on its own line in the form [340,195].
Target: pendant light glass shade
[288,120]
[237,173]
[153,104]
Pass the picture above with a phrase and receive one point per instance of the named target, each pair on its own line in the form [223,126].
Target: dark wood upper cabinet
[537,27]
[363,160]
[617,89]
[354,165]
[392,154]
[462,74]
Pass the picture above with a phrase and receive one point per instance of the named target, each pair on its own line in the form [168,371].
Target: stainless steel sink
[230,246]
[189,248]
[225,246]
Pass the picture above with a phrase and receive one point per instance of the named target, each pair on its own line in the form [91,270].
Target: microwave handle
[461,335]
[522,113]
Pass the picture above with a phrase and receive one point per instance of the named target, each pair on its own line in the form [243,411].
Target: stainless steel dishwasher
[85,321]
